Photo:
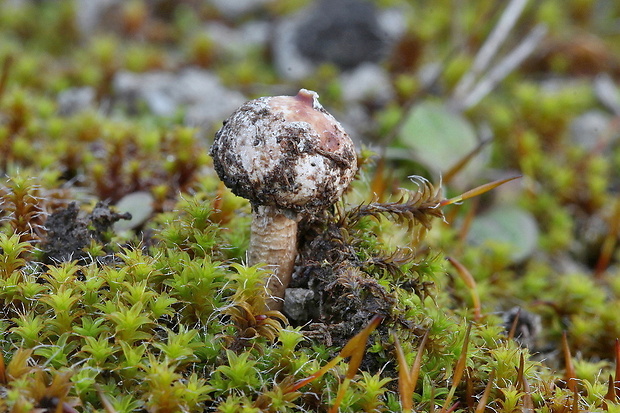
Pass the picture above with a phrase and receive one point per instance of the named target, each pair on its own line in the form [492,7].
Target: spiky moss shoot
[176,276]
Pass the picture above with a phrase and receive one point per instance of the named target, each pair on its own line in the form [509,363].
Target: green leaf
[437,137]
[508,225]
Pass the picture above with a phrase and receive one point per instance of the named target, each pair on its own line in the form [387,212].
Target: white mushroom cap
[285,151]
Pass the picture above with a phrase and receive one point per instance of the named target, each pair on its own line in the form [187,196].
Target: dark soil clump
[68,233]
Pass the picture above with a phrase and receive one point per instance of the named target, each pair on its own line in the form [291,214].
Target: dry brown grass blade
[355,348]
[610,242]
[3,378]
[467,220]
[4,72]
[482,403]
[417,363]
[571,380]
[611,390]
[18,366]
[477,191]
[469,389]
[617,376]
[458,372]
[513,327]
[379,183]
[408,378]
[470,282]
[405,383]
[528,403]
[576,398]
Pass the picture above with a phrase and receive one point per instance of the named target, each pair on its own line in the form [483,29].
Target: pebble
[607,92]
[592,130]
[235,9]
[199,92]
[95,14]
[297,302]
[528,326]
[75,100]
[343,32]
[237,42]
[367,82]
[346,33]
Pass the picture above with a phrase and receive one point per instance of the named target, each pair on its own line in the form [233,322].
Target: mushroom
[289,157]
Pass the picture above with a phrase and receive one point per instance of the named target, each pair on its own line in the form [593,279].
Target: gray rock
[199,92]
[208,101]
[297,302]
[346,33]
[75,100]
[237,8]
[591,130]
[156,89]
[210,112]
[527,326]
[289,62]
[367,82]
[93,14]
[393,22]
[358,122]
[237,42]
[607,92]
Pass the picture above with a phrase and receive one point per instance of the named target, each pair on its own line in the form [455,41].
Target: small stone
[237,42]
[592,129]
[346,33]
[367,82]
[200,92]
[154,88]
[607,92]
[92,15]
[234,9]
[74,100]
[528,326]
[290,63]
[297,302]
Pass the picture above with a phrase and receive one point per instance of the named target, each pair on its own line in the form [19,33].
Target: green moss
[166,317]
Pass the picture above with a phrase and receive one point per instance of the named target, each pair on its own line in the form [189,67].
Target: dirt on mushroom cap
[285,151]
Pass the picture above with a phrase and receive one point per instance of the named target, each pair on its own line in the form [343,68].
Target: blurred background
[459,92]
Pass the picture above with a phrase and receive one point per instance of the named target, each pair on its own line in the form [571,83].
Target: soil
[69,231]
[344,298]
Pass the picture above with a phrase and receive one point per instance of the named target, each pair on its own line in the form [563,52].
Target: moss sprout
[392,307]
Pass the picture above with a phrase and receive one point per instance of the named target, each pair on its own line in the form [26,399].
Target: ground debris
[69,232]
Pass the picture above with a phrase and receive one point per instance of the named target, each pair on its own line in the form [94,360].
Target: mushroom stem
[273,241]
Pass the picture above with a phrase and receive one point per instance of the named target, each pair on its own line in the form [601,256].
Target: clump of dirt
[339,298]
[69,231]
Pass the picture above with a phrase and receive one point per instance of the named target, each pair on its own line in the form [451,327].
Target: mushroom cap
[285,151]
